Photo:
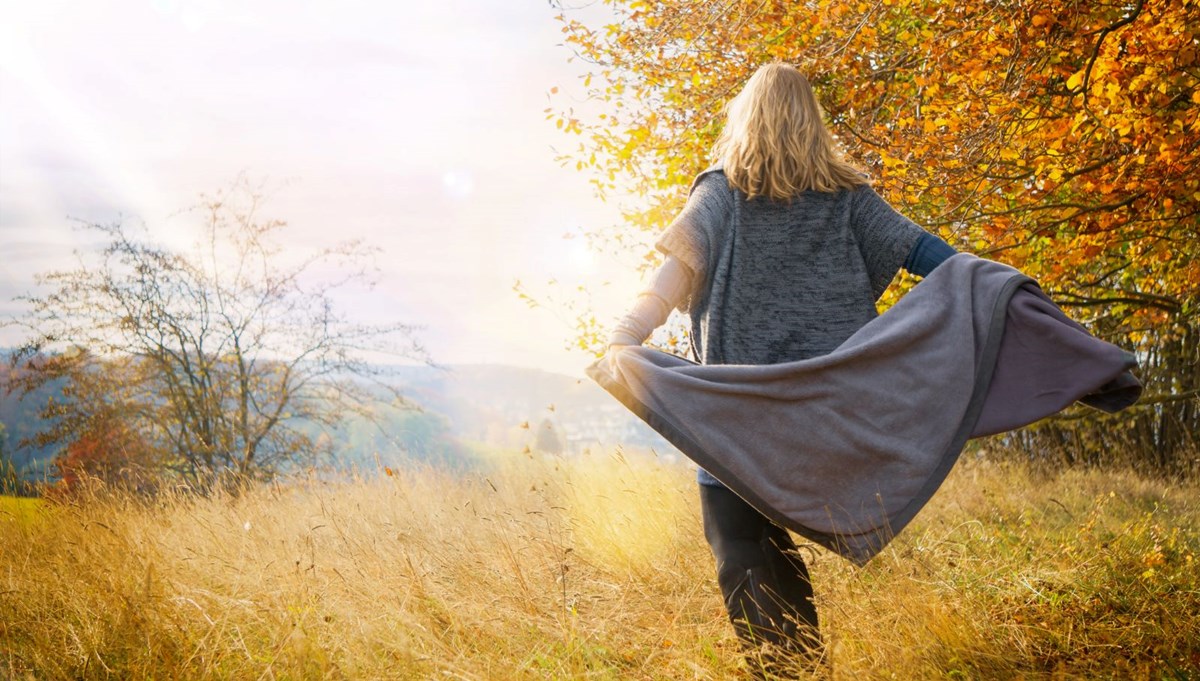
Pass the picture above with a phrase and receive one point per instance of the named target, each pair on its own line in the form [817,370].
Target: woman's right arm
[889,241]
[925,255]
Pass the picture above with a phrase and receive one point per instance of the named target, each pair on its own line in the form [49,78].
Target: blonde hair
[775,142]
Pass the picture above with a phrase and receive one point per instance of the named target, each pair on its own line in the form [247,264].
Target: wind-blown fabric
[846,448]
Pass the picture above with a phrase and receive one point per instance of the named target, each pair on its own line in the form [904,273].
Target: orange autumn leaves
[1059,136]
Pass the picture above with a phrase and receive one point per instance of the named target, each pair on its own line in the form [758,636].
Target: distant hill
[486,402]
[21,420]
[459,407]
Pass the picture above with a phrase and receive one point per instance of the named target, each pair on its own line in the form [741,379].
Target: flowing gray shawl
[846,448]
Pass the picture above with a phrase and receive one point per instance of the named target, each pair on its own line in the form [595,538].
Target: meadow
[591,567]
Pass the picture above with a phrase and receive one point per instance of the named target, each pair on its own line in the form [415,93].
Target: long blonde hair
[775,142]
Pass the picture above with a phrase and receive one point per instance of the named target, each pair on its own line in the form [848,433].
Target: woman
[779,254]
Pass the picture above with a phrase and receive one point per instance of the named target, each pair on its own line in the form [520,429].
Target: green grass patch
[22,511]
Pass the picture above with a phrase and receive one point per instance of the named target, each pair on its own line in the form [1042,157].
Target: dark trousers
[764,581]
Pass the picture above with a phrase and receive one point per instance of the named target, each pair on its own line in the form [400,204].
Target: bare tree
[225,359]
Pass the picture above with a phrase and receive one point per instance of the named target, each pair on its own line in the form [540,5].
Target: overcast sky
[416,126]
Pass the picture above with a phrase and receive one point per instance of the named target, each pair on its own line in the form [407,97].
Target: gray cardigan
[846,447]
[781,281]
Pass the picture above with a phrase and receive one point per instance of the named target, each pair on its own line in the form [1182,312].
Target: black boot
[766,586]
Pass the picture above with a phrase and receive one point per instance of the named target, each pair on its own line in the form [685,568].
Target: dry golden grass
[589,568]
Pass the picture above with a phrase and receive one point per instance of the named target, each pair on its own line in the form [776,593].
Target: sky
[418,127]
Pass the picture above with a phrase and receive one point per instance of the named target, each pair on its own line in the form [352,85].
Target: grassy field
[588,568]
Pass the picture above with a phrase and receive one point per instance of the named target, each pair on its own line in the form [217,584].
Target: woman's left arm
[668,287]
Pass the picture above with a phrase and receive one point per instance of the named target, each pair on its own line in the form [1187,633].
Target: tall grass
[592,567]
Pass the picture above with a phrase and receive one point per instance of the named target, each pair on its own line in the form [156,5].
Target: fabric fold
[845,448]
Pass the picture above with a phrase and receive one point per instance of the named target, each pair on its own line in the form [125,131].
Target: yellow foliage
[956,110]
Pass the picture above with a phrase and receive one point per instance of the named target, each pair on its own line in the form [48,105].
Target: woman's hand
[610,357]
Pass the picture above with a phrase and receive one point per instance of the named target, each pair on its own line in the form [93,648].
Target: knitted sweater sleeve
[692,233]
[885,237]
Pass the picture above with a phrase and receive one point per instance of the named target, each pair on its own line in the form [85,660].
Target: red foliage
[110,452]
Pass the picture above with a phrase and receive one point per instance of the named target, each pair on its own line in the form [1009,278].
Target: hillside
[20,420]
[456,408]
[488,403]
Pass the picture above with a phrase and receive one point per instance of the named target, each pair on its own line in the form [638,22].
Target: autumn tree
[1060,137]
[109,451]
[214,364]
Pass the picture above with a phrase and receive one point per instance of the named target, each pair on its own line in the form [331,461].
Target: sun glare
[458,184]
[580,257]
[92,145]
